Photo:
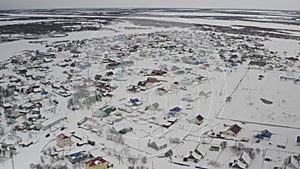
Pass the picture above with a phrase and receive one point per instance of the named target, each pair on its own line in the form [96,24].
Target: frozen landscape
[149,89]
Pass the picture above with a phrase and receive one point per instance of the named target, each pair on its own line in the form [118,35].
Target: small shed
[232,131]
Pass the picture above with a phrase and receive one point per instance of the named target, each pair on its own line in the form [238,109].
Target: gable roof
[266,133]
[246,158]
[291,162]
[235,129]
[158,142]
[95,161]
[239,164]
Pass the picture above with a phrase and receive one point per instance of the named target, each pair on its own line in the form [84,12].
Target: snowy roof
[239,164]
[292,162]
[246,158]
[7,105]
[159,142]
[172,119]
[52,120]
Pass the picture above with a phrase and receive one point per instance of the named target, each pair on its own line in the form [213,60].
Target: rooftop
[95,161]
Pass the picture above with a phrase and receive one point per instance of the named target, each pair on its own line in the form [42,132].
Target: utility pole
[88,55]
[12,158]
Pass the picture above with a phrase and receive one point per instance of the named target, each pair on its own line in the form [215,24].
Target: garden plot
[267,101]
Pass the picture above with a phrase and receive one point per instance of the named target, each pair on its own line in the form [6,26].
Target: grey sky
[250,4]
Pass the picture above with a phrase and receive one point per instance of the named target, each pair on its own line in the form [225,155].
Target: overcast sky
[245,4]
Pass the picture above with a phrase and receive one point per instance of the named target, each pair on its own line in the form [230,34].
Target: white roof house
[245,158]
[51,122]
[239,164]
[157,144]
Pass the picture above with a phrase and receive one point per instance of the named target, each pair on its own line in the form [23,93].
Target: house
[12,115]
[7,105]
[47,124]
[174,111]
[258,63]
[194,156]
[123,64]
[96,163]
[153,107]
[135,102]
[167,124]
[158,72]
[242,162]
[214,148]
[170,122]
[45,54]
[157,145]
[98,77]
[238,164]
[197,120]
[187,81]
[63,140]
[161,91]
[298,140]
[191,157]
[104,111]
[77,157]
[264,134]
[151,80]
[291,162]
[232,131]
[245,158]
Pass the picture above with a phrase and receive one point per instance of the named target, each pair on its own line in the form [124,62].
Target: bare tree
[42,159]
[214,163]
[2,131]
[144,159]
[223,145]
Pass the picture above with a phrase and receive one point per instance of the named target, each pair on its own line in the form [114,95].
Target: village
[163,99]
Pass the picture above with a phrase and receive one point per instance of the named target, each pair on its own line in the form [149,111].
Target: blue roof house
[298,140]
[174,111]
[44,92]
[259,136]
[266,133]
[135,102]
[77,157]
